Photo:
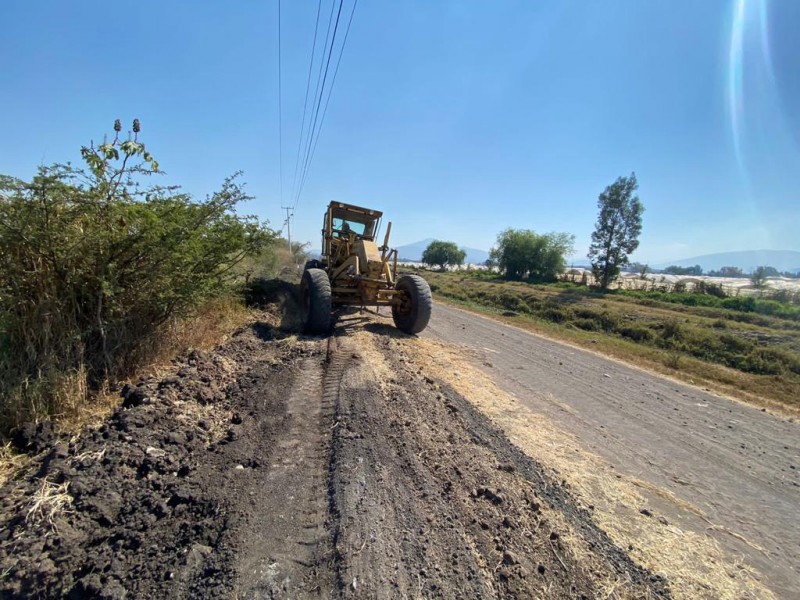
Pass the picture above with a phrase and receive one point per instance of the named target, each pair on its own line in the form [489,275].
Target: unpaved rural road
[737,466]
[474,461]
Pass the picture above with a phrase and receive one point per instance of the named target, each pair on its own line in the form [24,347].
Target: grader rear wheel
[316,288]
[412,313]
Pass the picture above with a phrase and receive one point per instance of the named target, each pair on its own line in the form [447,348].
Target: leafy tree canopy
[676,270]
[616,234]
[442,254]
[522,253]
[727,272]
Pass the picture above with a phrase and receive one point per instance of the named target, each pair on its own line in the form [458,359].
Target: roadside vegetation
[743,345]
[443,254]
[104,272]
[616,234]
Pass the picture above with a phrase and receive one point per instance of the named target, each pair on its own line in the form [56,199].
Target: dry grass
[80,407]
[211,325]
[11,462]
[694,563]
[49,501]
[780,393]
[576,549]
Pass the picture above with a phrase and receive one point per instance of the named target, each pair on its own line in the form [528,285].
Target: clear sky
[457,118]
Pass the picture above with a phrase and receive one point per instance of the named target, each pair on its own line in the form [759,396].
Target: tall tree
[759,277]
[442,254]
[616,233]
[522,253]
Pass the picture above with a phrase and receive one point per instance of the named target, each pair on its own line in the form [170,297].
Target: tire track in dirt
[287,546]
[431,500]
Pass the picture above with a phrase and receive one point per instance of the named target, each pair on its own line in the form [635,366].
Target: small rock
[155,452]
[239,467]
[134,396]
[175,437]
[509,558]
[646,512]
[34,437]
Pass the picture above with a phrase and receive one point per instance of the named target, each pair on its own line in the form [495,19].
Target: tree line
[523,254]
[760,272]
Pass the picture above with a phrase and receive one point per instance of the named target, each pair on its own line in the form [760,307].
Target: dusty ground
[370,464]
[300,468]
[708,463]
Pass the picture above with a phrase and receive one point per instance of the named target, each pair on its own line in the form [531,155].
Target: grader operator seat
[349,230]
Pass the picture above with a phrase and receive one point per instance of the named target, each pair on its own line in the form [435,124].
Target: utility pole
[288,226]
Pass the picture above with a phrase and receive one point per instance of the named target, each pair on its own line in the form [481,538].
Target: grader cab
[355,271]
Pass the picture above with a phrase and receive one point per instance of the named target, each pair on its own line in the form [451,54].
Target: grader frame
[354,270]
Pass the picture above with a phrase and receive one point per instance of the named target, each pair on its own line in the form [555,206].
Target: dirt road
[284,467]
[369,464]
[728,469]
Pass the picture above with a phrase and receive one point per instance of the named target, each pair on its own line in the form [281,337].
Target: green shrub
[94,263]
[735,344]
[764,361]
[587,324]
[511,301]
[671,330]
[740,303]
[637,333]
[556,314]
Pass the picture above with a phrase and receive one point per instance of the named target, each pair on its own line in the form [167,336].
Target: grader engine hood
[369,258]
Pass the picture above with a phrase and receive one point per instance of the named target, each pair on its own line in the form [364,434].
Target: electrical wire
[280,107]
[330,89]
[319,91]
[305,102]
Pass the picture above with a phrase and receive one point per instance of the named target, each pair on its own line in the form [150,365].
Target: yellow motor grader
[355,271]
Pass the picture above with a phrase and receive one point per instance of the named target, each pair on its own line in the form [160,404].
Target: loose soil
[286,467]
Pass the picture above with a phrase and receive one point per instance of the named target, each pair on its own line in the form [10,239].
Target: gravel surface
[737,465]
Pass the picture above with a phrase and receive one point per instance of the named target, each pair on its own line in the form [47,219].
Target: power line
[305,102]
[311,127]
[318,93]
[280,106]
[330,89]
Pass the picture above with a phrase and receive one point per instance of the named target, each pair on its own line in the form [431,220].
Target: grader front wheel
[412,313]
[316,288]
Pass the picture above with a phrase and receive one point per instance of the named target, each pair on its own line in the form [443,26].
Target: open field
[745,347]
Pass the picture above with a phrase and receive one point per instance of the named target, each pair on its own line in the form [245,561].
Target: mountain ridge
[747,260]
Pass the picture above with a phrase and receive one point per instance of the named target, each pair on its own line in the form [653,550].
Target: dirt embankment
[285,467]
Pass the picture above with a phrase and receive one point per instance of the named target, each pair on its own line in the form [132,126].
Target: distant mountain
[413,252]
[783,260]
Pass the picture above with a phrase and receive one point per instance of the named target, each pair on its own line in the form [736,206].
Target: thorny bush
[94,262]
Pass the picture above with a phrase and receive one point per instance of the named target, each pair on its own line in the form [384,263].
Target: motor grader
[355,271]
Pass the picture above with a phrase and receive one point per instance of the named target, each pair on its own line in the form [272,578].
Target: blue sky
[456,118]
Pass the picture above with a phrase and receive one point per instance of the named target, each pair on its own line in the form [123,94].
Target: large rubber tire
[412,315]
[316,289]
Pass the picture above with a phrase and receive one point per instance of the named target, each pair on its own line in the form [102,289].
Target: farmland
[743,346]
